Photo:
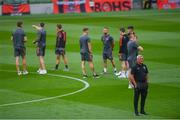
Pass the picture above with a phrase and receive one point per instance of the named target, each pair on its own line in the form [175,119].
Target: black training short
[20,51]
[40,51]
[107,55]
[60,51]
[86,57]
[131,61]
[123,57]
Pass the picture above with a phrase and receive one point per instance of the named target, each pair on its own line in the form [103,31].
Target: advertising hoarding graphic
[71,6]
[168,4]
[112,5]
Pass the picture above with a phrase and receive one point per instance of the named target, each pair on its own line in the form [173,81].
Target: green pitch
[106,97]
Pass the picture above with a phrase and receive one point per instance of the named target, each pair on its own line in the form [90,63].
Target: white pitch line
[86,85]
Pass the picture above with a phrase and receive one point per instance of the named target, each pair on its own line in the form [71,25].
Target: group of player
[19,38]
[128,49]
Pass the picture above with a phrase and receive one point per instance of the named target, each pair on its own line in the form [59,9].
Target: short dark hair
[59,26]
[122,29]
[19,24]
[131,27]
[132,33]
[85,29]
[106,28]
[42,24]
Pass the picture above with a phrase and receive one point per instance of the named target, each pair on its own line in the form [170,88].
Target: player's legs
[130,65]
[110,57]
[38,54]
[114,66]
[91,65]
[17,55]
[41,54]
[83,68]
[113,63]
[17,64]
[57,52]
[65,61]
[42,65]
[105,65]
[126,65]
[41,60]
[123,70]
[24,65]
[123,73]
[136,99]
[130,86]
[83,59]
[89,58]
[104,62]
[22,52]
[119,73]
[57,61]
[123,65]
[143,98]
[126,68]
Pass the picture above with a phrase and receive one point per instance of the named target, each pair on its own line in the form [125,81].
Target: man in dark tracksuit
[60,47]
[139,78]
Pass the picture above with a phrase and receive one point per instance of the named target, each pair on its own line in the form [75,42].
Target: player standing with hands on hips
[41,46]
[108,44]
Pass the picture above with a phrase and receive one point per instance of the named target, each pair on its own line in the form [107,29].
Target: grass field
[106,97]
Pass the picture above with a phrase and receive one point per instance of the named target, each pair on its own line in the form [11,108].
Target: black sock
[66,66]
[57,65]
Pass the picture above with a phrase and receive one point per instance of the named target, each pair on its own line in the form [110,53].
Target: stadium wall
[45,8]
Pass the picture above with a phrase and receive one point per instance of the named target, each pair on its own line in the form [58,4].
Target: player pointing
[41,46]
